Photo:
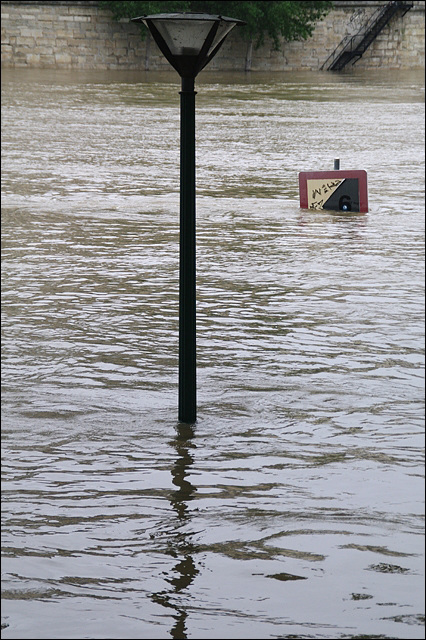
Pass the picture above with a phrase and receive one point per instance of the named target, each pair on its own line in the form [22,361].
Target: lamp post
[188,41]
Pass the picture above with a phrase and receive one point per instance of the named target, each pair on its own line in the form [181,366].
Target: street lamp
[188,41]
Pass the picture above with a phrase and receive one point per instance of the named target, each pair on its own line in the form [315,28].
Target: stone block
[26,32]
[24,41]
[47,29]
[33,59]
[62,58]
[46,17]
[79,10]
[45,50]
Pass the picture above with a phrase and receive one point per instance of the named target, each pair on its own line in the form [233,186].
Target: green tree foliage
[276,20]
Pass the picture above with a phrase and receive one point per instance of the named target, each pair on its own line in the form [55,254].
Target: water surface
[294,507]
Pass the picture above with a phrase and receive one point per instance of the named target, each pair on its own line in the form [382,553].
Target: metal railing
[353,46]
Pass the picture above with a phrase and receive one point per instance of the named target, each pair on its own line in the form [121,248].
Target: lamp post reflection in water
[180,546]
[188,41]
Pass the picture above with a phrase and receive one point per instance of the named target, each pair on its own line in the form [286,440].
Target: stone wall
[81,35]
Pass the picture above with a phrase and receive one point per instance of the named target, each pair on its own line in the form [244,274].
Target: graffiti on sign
[320,190]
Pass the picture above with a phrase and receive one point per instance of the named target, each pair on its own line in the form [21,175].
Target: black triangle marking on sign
[345,198]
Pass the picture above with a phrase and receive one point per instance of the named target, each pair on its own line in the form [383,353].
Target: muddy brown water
[294,506]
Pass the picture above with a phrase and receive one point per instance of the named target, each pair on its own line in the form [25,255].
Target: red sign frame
[359,175]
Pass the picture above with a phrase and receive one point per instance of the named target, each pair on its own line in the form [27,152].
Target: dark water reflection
[185,571]
[294,507]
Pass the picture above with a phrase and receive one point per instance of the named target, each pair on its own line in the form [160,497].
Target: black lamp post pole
[187,271]
[186,43]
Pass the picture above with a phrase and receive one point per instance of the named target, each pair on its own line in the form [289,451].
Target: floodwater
[294,507]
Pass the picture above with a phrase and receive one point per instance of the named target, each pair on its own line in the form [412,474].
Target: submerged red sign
[334,190]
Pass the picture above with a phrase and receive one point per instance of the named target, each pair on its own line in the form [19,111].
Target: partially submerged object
[337,190]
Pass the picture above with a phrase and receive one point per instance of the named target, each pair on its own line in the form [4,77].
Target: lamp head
[188,40]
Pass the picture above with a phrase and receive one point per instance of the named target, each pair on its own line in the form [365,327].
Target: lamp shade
[189,40]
